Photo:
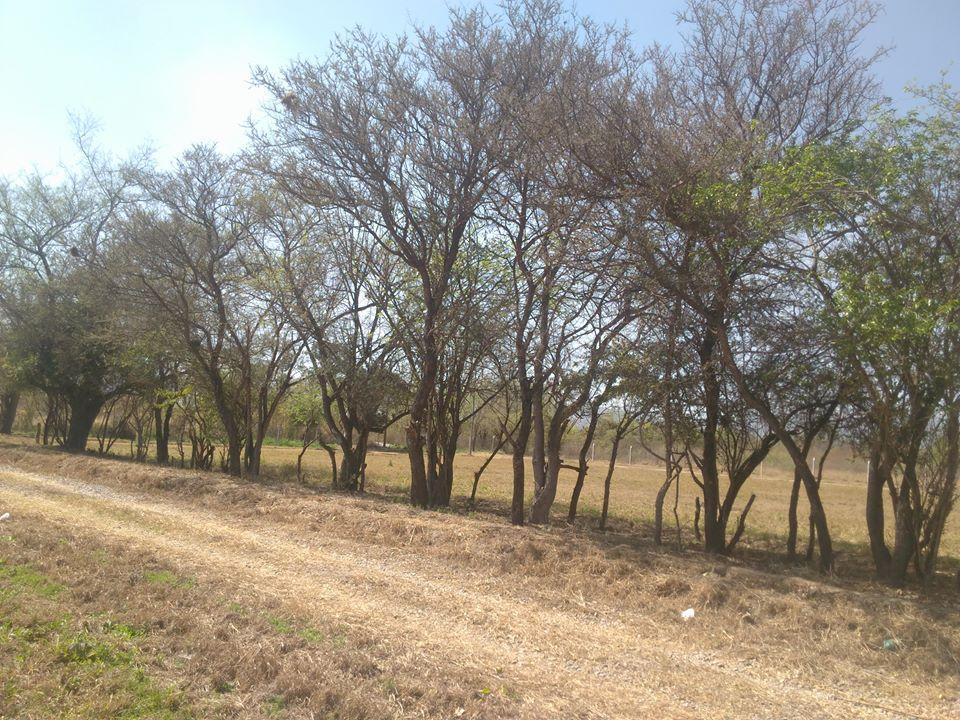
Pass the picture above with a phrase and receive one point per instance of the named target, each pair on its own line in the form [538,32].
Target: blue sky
[173,72]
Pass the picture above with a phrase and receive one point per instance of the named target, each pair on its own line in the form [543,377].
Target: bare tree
[182,266]
[406,137]
[755,82]
[332,285]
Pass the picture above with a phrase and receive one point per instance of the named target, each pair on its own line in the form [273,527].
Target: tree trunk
[796,455]
[49,420]
[538,454]
[497,446]
[544,498]
[519,469]
[419,433]
[608,480]
[713,531]
[582,466]
[944,504]
[354,457]
[793,525]
[418,472]
[161,418]
[83,413]
[876,480]
[334,475]
[254,456]
[658,505]
[792,516]
[904,542]
[303,451]
[671,467]
[234,454]
[577,489]
[445,469]
[8,411]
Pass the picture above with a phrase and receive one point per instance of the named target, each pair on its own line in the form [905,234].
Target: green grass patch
[275,706]
[121,629]
[281,625]
[21,578]
[84,647]
[57,663]
[312,635]
[166,577]
[149,700]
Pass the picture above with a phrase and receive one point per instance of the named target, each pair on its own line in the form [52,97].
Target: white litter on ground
[688,613]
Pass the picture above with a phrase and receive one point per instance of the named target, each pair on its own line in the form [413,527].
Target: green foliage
[883,313]
[304,405]
[896,301]
[65,344]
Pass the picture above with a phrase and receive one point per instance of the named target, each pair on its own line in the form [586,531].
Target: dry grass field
[632,494]
[131,591]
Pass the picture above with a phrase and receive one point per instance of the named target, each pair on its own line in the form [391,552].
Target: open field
[633,490]
[133,591]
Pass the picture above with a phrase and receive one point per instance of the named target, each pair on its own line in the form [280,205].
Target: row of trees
[730,245]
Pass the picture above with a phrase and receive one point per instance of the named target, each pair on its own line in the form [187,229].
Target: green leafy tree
[891,281]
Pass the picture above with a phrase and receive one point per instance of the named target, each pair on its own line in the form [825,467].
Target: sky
[169,73]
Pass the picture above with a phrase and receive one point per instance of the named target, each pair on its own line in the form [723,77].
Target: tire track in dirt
[562,663]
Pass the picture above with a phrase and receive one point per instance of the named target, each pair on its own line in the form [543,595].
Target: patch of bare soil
[475,618]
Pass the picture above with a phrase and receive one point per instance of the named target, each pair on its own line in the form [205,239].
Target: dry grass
[95,629]
[609,594]
[633,491]
[514,620]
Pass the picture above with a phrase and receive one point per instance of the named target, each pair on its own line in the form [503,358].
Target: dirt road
[564,662]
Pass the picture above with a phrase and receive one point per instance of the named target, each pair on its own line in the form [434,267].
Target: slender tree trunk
[670,466]
[50,419]
[796,455]
[539,452]
[811,538]
[904,542]
[876,481]
[497,446]
[658,504]
[161,427]
[608,480]
[945,502]
[713,531]
[519,467]
[305,442]
[419,434]
[792,529]
[582,466]
[792,522]
[334,474]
